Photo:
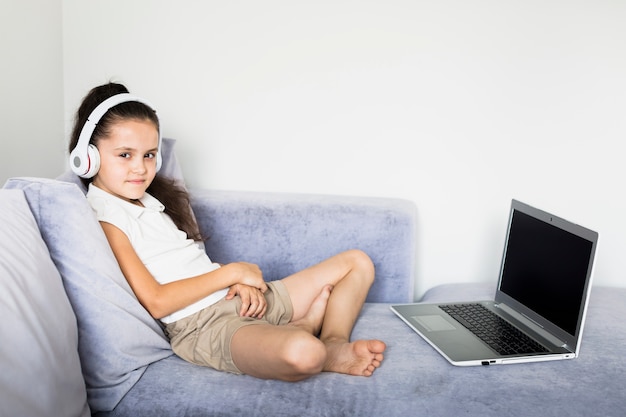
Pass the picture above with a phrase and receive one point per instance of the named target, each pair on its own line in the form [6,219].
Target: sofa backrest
[287,232]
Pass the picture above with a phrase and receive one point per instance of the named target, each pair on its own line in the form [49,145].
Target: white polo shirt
[164,249]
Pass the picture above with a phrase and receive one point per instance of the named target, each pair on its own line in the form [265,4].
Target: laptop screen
[545,268]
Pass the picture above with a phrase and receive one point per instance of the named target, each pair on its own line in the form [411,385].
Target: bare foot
[360,358]
[312,321]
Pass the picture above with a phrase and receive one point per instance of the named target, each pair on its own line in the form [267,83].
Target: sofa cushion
[41,373]
[414,379]
[117,336]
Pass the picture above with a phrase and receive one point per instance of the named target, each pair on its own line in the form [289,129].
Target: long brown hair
[168,191]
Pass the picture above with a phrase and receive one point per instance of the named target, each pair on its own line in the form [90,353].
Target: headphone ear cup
[93,156]
[159,160]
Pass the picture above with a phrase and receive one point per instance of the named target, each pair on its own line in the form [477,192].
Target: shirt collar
[148,201]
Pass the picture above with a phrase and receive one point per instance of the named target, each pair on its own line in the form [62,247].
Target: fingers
[232,292]
[253,302]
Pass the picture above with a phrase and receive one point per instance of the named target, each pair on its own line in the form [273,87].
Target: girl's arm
[163,299]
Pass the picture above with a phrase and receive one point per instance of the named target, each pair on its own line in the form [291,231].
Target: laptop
[541,297]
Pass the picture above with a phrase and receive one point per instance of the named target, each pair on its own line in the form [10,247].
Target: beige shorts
[204,337]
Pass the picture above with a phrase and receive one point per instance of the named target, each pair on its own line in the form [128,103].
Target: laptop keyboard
[492,329]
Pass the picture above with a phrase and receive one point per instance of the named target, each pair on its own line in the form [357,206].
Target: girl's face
[128,159]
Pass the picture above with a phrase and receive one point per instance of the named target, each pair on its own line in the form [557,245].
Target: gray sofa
[76,342]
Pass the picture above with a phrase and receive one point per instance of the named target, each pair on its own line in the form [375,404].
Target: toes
[376,346]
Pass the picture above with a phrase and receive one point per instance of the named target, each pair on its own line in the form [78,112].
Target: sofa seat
[413,380]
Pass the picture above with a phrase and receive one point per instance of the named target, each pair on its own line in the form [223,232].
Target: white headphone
[85,158]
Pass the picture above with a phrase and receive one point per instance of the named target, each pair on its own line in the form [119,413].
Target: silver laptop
[541,298]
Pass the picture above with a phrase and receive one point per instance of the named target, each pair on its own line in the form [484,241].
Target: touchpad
[434,323]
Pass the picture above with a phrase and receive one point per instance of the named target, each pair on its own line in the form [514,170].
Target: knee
[304,354]
[362,263]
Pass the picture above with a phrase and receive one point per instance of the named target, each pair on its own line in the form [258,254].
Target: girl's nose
[139,166]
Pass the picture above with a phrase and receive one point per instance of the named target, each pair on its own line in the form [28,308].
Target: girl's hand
[253,303]
[247,274]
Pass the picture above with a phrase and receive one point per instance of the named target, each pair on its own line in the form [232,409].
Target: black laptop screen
[545,269]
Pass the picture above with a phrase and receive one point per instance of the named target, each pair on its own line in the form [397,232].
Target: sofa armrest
[286,232]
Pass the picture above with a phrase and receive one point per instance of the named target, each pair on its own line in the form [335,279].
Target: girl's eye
[125,155]
[150,155]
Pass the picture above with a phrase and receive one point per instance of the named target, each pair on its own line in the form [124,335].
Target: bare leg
[290,352]
[351,274]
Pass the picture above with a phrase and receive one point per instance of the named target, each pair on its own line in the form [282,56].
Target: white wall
[448,103]
[31,89]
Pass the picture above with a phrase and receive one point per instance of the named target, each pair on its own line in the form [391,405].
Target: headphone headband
[84,158]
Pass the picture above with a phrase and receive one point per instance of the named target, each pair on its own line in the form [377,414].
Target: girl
[223,316]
